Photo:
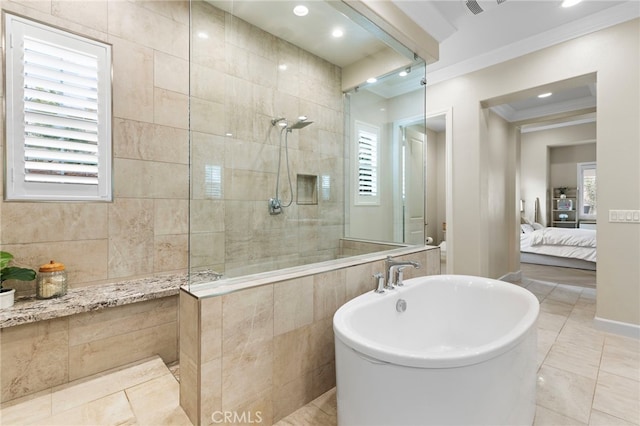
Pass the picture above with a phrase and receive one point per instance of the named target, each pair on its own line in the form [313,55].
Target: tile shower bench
[46,343]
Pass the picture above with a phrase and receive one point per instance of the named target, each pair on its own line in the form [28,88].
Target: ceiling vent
[473,6]
[478,6]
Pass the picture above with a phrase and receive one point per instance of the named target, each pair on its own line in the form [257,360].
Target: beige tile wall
[145,230]
[48,353]
[357,247]
[269,348]
[237,88]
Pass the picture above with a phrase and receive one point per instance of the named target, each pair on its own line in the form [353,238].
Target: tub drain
[401,305]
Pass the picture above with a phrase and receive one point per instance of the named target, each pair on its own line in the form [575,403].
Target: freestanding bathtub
[463,352]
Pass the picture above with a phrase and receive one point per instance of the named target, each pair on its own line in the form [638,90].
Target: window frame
[581,167]
[17,187]
[363,199]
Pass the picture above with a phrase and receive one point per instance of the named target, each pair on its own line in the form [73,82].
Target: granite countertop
[93,298]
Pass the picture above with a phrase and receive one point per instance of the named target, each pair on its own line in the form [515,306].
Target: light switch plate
[626,216]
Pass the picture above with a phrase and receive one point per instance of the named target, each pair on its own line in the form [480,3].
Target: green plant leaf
[5,258]
[15,273]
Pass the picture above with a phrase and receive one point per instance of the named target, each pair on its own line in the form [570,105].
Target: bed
[566,247]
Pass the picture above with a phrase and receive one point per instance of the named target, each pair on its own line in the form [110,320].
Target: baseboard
[512,277]
[617,327]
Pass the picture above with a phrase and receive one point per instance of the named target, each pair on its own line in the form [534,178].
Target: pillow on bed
[537,226]
[526,228]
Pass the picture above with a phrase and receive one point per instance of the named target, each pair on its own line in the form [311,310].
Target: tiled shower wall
[269,350]
[145,230]
[238,85]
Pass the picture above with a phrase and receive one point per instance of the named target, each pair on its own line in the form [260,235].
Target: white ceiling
[311,32]
[503,31]
[469,42]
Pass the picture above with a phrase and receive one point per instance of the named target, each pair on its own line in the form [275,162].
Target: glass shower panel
[259,75]
[392,109]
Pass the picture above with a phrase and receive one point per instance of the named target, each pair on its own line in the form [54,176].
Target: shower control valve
[274,206]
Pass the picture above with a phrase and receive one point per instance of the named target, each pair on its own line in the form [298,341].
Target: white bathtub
[463,352]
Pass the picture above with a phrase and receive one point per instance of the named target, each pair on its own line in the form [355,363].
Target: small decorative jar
[52,281]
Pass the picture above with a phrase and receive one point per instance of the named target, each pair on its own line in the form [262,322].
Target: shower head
[299,124]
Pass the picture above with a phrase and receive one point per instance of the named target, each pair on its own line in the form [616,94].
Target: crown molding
[511,115]
[607,18]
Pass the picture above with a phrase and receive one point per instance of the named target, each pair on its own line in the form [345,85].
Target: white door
[413,177]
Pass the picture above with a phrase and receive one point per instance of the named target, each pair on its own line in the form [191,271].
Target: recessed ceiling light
[402,73]
[202,35]
[372,80]
[569,3]
[282,67]
[545,95]
[229,134]
[301,10]
[337,33]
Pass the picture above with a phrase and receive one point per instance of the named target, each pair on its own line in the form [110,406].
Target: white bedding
[560,242]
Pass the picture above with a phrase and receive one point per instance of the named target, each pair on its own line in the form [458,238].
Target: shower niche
[307,189]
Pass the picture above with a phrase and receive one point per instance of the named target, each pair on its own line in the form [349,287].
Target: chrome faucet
[394,271]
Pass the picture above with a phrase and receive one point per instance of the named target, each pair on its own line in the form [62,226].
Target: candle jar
[52,281]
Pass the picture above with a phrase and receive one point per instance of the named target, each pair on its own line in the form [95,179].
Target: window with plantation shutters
[58,114]
[367,137]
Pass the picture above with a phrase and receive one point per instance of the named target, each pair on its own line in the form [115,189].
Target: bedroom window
[367,137]
[587,200]
[58,119]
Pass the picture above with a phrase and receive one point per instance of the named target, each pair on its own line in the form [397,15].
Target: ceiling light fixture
[300,10]
[404,72]
[372,80]
[337,33]
[569,3]
[202,35]
[282,67]
[545,95]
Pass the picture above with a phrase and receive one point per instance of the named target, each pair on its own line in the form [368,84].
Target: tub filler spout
[394,271]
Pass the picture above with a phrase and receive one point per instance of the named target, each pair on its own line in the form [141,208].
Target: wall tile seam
[158,326]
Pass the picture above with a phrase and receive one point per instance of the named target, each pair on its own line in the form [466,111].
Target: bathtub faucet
[394,271]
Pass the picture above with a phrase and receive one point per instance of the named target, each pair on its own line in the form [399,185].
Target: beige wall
[144,231]
[613,55]
[536,176]
[499,153]
[564,162]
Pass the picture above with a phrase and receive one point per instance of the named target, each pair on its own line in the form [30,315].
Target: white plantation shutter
[367,137]
[59,114]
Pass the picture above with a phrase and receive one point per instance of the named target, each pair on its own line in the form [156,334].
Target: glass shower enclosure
[280,107]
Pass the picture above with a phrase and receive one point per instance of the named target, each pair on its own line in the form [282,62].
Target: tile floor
[586,377]
[143,393]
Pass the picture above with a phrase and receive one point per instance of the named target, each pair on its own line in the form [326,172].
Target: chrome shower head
[300,125]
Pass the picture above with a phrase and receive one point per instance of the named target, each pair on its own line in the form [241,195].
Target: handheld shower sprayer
[275,204]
